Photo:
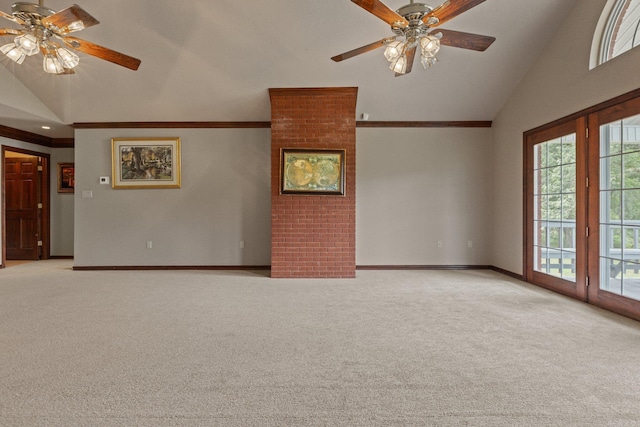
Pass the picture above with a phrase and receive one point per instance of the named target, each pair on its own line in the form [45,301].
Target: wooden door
[555,208]
[21,209]
[614,220]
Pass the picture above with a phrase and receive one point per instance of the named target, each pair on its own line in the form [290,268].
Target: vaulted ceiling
[206,60]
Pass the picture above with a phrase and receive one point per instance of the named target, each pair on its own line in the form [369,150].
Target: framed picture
[145,162]
[308,171]
[66,177]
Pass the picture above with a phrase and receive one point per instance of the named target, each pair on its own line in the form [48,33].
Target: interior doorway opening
[25,205]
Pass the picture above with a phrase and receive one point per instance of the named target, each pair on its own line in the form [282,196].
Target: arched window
[618,30]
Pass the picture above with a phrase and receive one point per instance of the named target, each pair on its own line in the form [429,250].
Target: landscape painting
[146,162]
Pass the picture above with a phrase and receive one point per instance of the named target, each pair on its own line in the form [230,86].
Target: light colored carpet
[389,348]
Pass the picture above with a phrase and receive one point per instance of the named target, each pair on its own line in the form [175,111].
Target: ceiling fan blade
[450,9]
[382,11]
[9,32]
[465,40]
[12,18]
[102,52]
[363,49]
[411,55]
[68,20]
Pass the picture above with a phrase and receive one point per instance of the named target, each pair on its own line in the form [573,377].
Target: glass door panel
[555,213]
[554,208]
[620,207]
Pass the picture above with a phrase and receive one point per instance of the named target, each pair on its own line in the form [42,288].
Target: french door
[555,220]
[582,207]
[614,168]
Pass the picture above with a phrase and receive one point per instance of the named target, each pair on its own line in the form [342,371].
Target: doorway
[25,205]
[555,208]
[582,206]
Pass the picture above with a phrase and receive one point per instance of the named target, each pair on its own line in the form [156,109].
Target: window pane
[610,139]
[568,265]
[569,237]
[541,210]
[540,233]
[631,201]
[539,156]
[630,134]
[631,280]
[568,207]
[611,173]
[554,152]
[631,163]
[609,276]
[620,30]
[568,149]
[611,206]
[611,241]
[554,180]
[555,207]
[569,178]
[631,236]
[540,182]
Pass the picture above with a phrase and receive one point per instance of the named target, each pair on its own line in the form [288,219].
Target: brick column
[313,235]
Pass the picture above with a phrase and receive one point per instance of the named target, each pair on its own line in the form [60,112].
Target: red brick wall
[313,235]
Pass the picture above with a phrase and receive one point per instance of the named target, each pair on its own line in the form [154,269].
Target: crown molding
[170,125]
[34,138]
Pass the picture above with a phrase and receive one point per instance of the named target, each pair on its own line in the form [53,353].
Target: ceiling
[208,61]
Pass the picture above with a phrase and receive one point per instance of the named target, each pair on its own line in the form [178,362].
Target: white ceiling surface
[208,60]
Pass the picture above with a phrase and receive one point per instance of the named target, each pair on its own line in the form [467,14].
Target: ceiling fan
[413,26]
[46,31]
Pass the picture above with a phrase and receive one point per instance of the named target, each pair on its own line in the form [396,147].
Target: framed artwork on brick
[309,171]
[145,162]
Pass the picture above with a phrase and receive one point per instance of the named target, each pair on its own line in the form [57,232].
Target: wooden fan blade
[68,20]
[363,49]
[465,40]
[102,52]
[411,55]
[450,9]
[382,11]
[9,32]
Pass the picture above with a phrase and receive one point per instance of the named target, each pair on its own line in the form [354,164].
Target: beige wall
[420,186]
[558,84]
[414,187]
[62,207]
[224,199]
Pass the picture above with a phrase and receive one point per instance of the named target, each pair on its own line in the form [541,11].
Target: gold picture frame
[309,171]
[66,177]
[146,162]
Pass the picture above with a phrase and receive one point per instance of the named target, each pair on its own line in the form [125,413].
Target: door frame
[577,289]
[44,184]
[627,104]
[607,300]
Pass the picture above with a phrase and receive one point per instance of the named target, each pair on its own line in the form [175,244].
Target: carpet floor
[237,348]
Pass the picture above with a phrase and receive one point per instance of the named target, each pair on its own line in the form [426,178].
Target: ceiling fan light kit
[41,25]
[413,26]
